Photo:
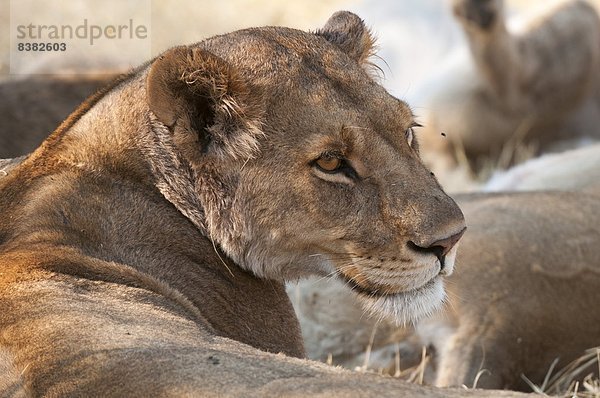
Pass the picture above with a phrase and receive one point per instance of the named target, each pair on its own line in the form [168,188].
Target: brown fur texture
[144,244]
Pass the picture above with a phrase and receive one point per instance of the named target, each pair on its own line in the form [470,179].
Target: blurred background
[415,36]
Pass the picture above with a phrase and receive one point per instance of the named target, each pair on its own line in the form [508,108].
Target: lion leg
[492,47]
[471,359]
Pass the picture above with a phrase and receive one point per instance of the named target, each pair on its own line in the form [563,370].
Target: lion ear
[194,92]
[347,31]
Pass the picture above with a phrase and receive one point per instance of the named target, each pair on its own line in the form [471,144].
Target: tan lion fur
[527,291]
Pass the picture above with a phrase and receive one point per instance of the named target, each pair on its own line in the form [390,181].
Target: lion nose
[440,247]
[443,246]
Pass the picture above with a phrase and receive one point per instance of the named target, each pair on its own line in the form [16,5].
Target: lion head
[301,163]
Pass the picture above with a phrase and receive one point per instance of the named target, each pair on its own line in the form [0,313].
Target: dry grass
[576,380]
[415,373]
[514,151]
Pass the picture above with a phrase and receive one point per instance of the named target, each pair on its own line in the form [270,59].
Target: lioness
[144,244]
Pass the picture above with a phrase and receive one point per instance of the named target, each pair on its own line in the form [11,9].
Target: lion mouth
[403,308]
[382,293]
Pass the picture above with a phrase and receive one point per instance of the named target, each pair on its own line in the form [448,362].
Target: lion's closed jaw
[409,307]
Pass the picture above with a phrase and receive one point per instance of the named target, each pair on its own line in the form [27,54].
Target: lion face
[304,165]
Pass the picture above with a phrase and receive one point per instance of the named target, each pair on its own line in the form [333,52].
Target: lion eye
[335,164]
[329,163]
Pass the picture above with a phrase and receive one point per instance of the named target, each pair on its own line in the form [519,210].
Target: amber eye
[329,163]
[334,163]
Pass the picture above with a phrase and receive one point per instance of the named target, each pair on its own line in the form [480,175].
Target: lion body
[570,170]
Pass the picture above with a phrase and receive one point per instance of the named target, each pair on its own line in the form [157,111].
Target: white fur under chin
[408,307]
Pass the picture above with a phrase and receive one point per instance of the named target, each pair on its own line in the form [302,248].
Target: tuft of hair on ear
[193,90]
[349,32]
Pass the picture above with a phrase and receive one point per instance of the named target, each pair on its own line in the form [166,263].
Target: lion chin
[407,307]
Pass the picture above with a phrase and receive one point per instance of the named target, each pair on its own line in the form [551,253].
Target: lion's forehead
[335,122]
[288,58]
[275,50]
[312,87]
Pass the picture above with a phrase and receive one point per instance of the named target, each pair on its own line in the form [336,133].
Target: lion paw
[482,14]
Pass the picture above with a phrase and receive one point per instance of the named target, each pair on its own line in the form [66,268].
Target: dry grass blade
[568,381]
[543,388]
[398,370]
[536,389]
[574,370]
[592,387]
[369,347]
[417,374]
[514,151]
[478,376]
